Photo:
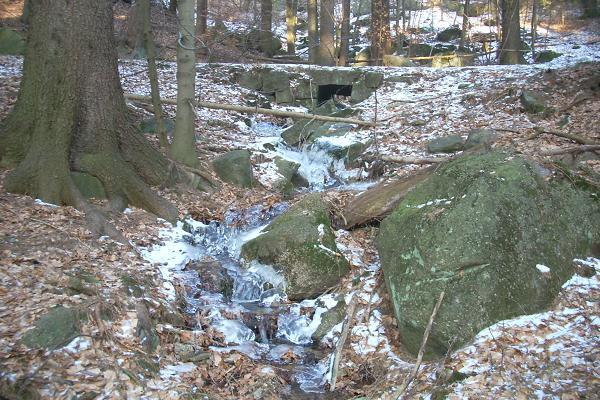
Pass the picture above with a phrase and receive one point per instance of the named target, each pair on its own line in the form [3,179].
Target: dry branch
[570,136]
[415,370]
[572,149]
[414,160]
[256,110]
[337,355]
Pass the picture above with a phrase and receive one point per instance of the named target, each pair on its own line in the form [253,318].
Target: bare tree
[313,30]
[510,50]
[266,36]
[380,30]
[465,25]
[326,33]
[291,19]
[344,34]
[201,17]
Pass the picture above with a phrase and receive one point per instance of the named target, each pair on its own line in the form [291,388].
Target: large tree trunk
[135,28]
[344,34]
[291,11]
[266,18]
[183,148]
[326,33]
[71,116]
[590,8]
[313,31]
[380,30]
[510,51]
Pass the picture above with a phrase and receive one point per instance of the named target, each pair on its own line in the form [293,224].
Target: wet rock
[213,277]
[446,144]
[307,131]
[301,244]
[235,168]
[341,148]
[390,60]
[449,34]
[11,42]
[291,178]
[533,102]
[546,56]
[55,329]
[480,137]
[329,319]
[476,229]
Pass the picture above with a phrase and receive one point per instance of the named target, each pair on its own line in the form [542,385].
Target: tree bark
[201,17]
[25,13]
[534,22]
[183,148]
[326,33]
[510,51]
[465,26]
[161,130]
[590,8]
[71,116]
[173,6]
[313,31]
[380,30]
[291,19]
[266,19]
[345,34]
[135,27]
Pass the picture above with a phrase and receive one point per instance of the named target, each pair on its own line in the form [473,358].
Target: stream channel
[246,302]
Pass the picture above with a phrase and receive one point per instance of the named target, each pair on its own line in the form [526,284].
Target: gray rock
[533,102]
[449,34]
[477,229]
[373,79]
[235,168]
[323,76]
[446,144]
[478,137]
[251,79]
[55,329]
[284,96]
[275,80]
[329,319]
[301,244]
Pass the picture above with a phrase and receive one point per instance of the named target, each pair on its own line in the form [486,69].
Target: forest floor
[48,257]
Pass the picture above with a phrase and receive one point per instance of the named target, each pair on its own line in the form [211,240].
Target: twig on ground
[400,392]
[337,354]
[572,149]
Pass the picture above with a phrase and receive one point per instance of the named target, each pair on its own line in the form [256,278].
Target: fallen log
[256,110]
[572,149]
[380,200]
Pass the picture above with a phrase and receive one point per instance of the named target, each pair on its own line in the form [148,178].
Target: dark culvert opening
[328,92]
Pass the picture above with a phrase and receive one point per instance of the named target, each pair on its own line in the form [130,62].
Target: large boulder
[449,34]
[235,168]
[11,42]
[533,102]
[479,228]
[55,329]
[445,144]
[300,243]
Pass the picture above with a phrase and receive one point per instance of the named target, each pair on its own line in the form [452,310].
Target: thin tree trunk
[326,33]
[345,34]
[534,23]
[465,26]
[291,19]
[161,130]
[266,18]
[313,31]
[184,138]
[510,51]
[380,29]
[135,28]
[25,14]
[173,6]
[201,17]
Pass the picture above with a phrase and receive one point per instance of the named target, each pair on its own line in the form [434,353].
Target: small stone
[446,144]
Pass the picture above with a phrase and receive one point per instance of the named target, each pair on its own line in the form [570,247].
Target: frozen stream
[246,302]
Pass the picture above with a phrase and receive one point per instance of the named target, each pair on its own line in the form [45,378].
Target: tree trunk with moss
[71,116]
[183,148]
[291,11]
[313,31]
[510,49]
[326,33]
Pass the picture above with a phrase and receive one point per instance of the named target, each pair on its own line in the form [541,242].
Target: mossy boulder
[446,144]
[329,319]
[235,168]
[533,102]
[545,56]
[301,244]
[55,329]
[11,42]
[449,34]
[291,179]
[477,229]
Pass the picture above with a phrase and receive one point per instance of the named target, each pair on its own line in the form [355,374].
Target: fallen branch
[577,100]
[570,136]
[256,110]
[415,370]
[572,149]
[337,354]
